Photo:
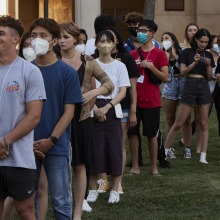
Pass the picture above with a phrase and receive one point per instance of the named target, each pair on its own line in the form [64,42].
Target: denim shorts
[196,92]
[173,88]
[126,113]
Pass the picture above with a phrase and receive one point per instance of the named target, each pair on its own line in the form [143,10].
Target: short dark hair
[8,21]
[103,21]
[150,24]
[198,35]
[52,26]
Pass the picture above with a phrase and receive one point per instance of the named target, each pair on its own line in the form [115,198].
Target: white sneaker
[93,196]
[86,207]
[203,161]
[113,197]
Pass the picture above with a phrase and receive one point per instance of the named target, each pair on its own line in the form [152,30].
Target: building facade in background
[170,15]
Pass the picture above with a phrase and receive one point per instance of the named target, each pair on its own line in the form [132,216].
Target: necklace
[70,56]
[6,77]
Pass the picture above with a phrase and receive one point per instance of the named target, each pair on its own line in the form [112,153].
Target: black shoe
[164,164]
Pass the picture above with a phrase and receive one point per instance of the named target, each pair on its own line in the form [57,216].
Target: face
[27,43]
[166,37]
[132,24]
[192,29]
[8,39]
[145,30]
[43,33]
[82,38]
[105,46]
[66,41]
[202,42]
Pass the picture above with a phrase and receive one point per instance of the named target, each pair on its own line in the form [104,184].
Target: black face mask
[133,31]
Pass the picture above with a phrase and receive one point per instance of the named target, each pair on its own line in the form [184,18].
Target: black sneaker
[164,164]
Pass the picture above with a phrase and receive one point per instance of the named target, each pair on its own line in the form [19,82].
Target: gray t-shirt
[20,83]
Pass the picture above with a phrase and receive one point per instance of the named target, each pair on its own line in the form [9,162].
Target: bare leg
[134,144]
[183,113]
[153,149]
[42,195]
[93,182]
[203,112]
[187,131]
[79,189]
[1,208]
[115,182]
[9,209]
[124,135]
[198,129]
[170,110]
[25,209]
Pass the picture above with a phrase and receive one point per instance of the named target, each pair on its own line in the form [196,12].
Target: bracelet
[53,139]
[111,104]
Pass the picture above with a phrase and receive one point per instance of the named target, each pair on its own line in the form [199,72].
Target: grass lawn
[189,190]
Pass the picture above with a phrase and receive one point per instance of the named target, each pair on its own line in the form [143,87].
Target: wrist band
[111,104]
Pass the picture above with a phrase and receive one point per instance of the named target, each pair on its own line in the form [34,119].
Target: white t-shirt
[20,83]
[90,47]
[118,73]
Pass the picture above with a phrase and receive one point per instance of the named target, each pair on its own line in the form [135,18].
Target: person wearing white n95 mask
[40,46]
[167,44]
[80,48]
[29,54]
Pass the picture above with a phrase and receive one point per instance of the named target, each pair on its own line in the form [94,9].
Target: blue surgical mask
[216,48]
[142,38]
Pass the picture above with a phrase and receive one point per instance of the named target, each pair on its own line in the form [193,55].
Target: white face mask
[29,54]
[216,48]
[167,44]
[80,48]
[40,46]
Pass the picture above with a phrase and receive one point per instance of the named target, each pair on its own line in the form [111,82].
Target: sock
[203,156]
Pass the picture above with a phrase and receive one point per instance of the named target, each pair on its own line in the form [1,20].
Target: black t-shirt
[174,66]
[131,66]
[187,58]
[217,70]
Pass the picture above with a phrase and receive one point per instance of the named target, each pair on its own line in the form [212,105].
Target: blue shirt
[129,46]
[62,87]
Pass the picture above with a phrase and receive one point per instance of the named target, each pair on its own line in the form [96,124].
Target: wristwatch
[53,139]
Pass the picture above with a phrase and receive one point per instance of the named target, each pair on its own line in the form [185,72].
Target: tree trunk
[149,9]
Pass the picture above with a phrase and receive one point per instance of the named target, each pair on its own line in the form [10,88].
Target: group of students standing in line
[58,92]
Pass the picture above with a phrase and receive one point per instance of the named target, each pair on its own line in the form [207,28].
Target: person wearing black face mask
[132,20]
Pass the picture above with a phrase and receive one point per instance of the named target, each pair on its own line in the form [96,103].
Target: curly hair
[8,21]
[134,17]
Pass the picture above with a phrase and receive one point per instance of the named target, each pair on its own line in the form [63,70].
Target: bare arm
[133,102]
[28,123]
[44,145]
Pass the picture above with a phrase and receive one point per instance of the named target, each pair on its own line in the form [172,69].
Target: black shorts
[150,118]
[18,183]
[196,92]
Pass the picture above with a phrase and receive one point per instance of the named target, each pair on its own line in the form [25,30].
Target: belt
[195,75]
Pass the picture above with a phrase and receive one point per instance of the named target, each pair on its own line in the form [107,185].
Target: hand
[101,118]
[207,61]
[43,145]
[197,57]
[4,152]
[132,121]
[100,112]
[217,77]
[146,64]
[38,154]
[87,97]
